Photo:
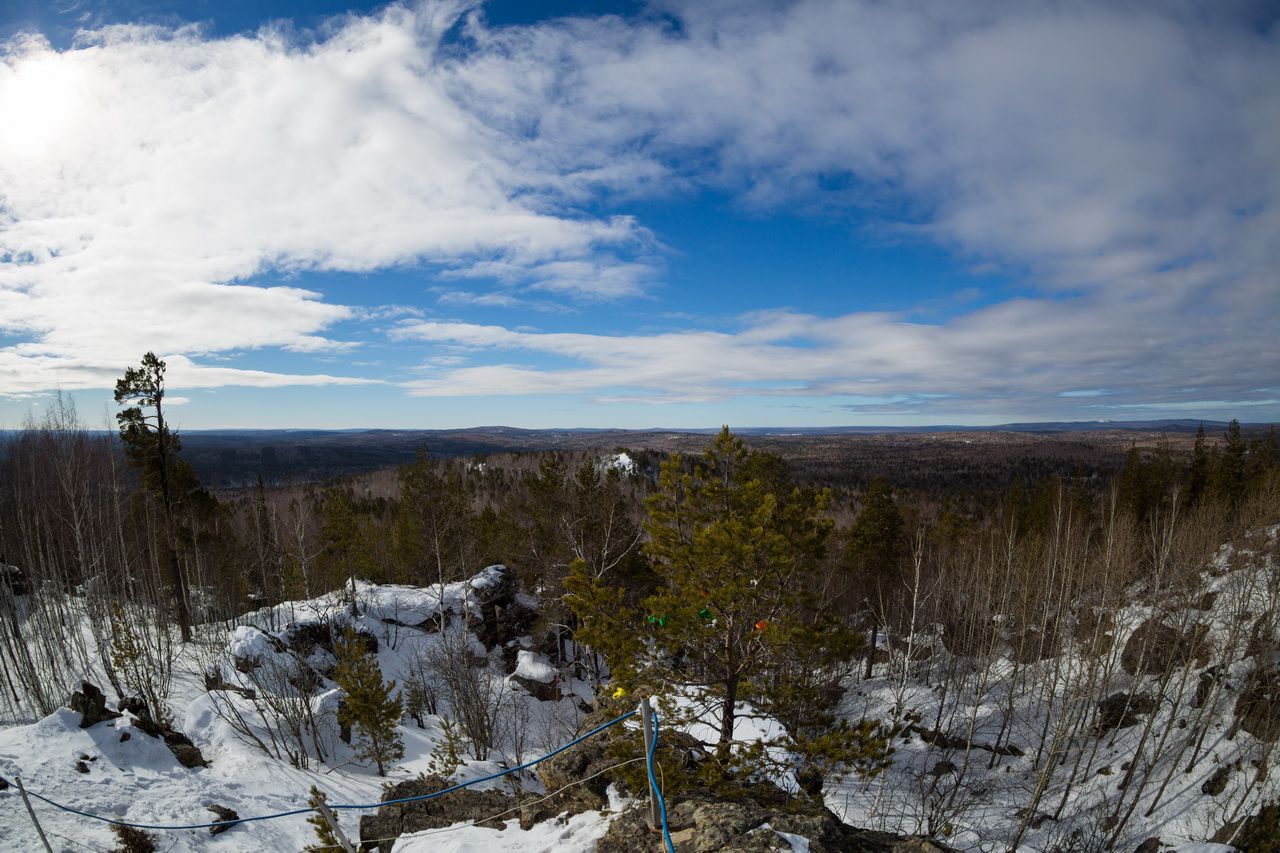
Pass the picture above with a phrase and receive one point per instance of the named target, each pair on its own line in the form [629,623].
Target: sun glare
[38,97]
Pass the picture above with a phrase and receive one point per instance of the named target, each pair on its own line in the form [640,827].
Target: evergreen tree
[735,616]
[435,528]
[873,553]
[1198,475]
[344,548]
[325,836]
[368,704]
[1230,480]
[1132,487]
[152,449]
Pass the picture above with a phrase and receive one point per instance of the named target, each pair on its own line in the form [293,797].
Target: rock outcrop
[379,831]
[710,826]
[90,703]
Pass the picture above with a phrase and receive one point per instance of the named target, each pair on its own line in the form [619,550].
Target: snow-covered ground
[137,779]
[983,809]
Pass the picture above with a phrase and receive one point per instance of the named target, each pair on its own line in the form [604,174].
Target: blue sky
[448,214]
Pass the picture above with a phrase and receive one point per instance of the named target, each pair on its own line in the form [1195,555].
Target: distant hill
[235,457]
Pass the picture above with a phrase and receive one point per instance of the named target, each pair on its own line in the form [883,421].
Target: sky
[670,214]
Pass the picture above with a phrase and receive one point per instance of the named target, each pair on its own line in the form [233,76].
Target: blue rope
[226,823]
[461,785]
[653,783]
[292,812]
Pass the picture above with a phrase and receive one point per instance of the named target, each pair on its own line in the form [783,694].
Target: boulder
[379,831]
[307,637]
[141,712]
[91,705]
[1217,783]
[227,818]
[1120,710]
[1258,706]
[188,755]
[1156,647]
[710,826]
[1255,832]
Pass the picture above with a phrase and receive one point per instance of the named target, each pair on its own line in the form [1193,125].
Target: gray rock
[227,818]
[1217,783]
[1258,707]
[709,826]
[91,705]
[188,755]
[1120,710]
[392,821]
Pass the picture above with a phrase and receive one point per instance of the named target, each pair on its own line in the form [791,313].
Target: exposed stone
[91,705]
[1156,647]
[4,784]
[943,768]
[1095,630]
[213,680]
[141,712]
[500,617]
[1256,832]
[1034,645]
[1258,707]
[81,767]
[1204,686]
[946,741]
[391,821]
[227,818]
[1151,845]
[188,755]
[707,826]
[124,736]
[1120,710]
[543,691]
[1217,783]
[1207,601]
[574,765]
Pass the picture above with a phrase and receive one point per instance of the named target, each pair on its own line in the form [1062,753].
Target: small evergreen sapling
[324,833]
[370,704]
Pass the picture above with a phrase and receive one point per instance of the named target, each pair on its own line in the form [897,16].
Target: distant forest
[998,546]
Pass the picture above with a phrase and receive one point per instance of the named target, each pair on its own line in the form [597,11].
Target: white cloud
[1024,353]
[147,176]
[1120,158]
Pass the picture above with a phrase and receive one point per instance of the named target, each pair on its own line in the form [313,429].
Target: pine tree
[1198,476]
[152,449]
[368,704]
[435,536]
[735,616]
[874,551]
[344,548]
[1133,486]
[1230,479]
[325,837]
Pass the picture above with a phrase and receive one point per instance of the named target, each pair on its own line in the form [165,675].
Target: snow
[799,844]
[534,666]
[621,462]
[576,834]
[899,799]
[139,780]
